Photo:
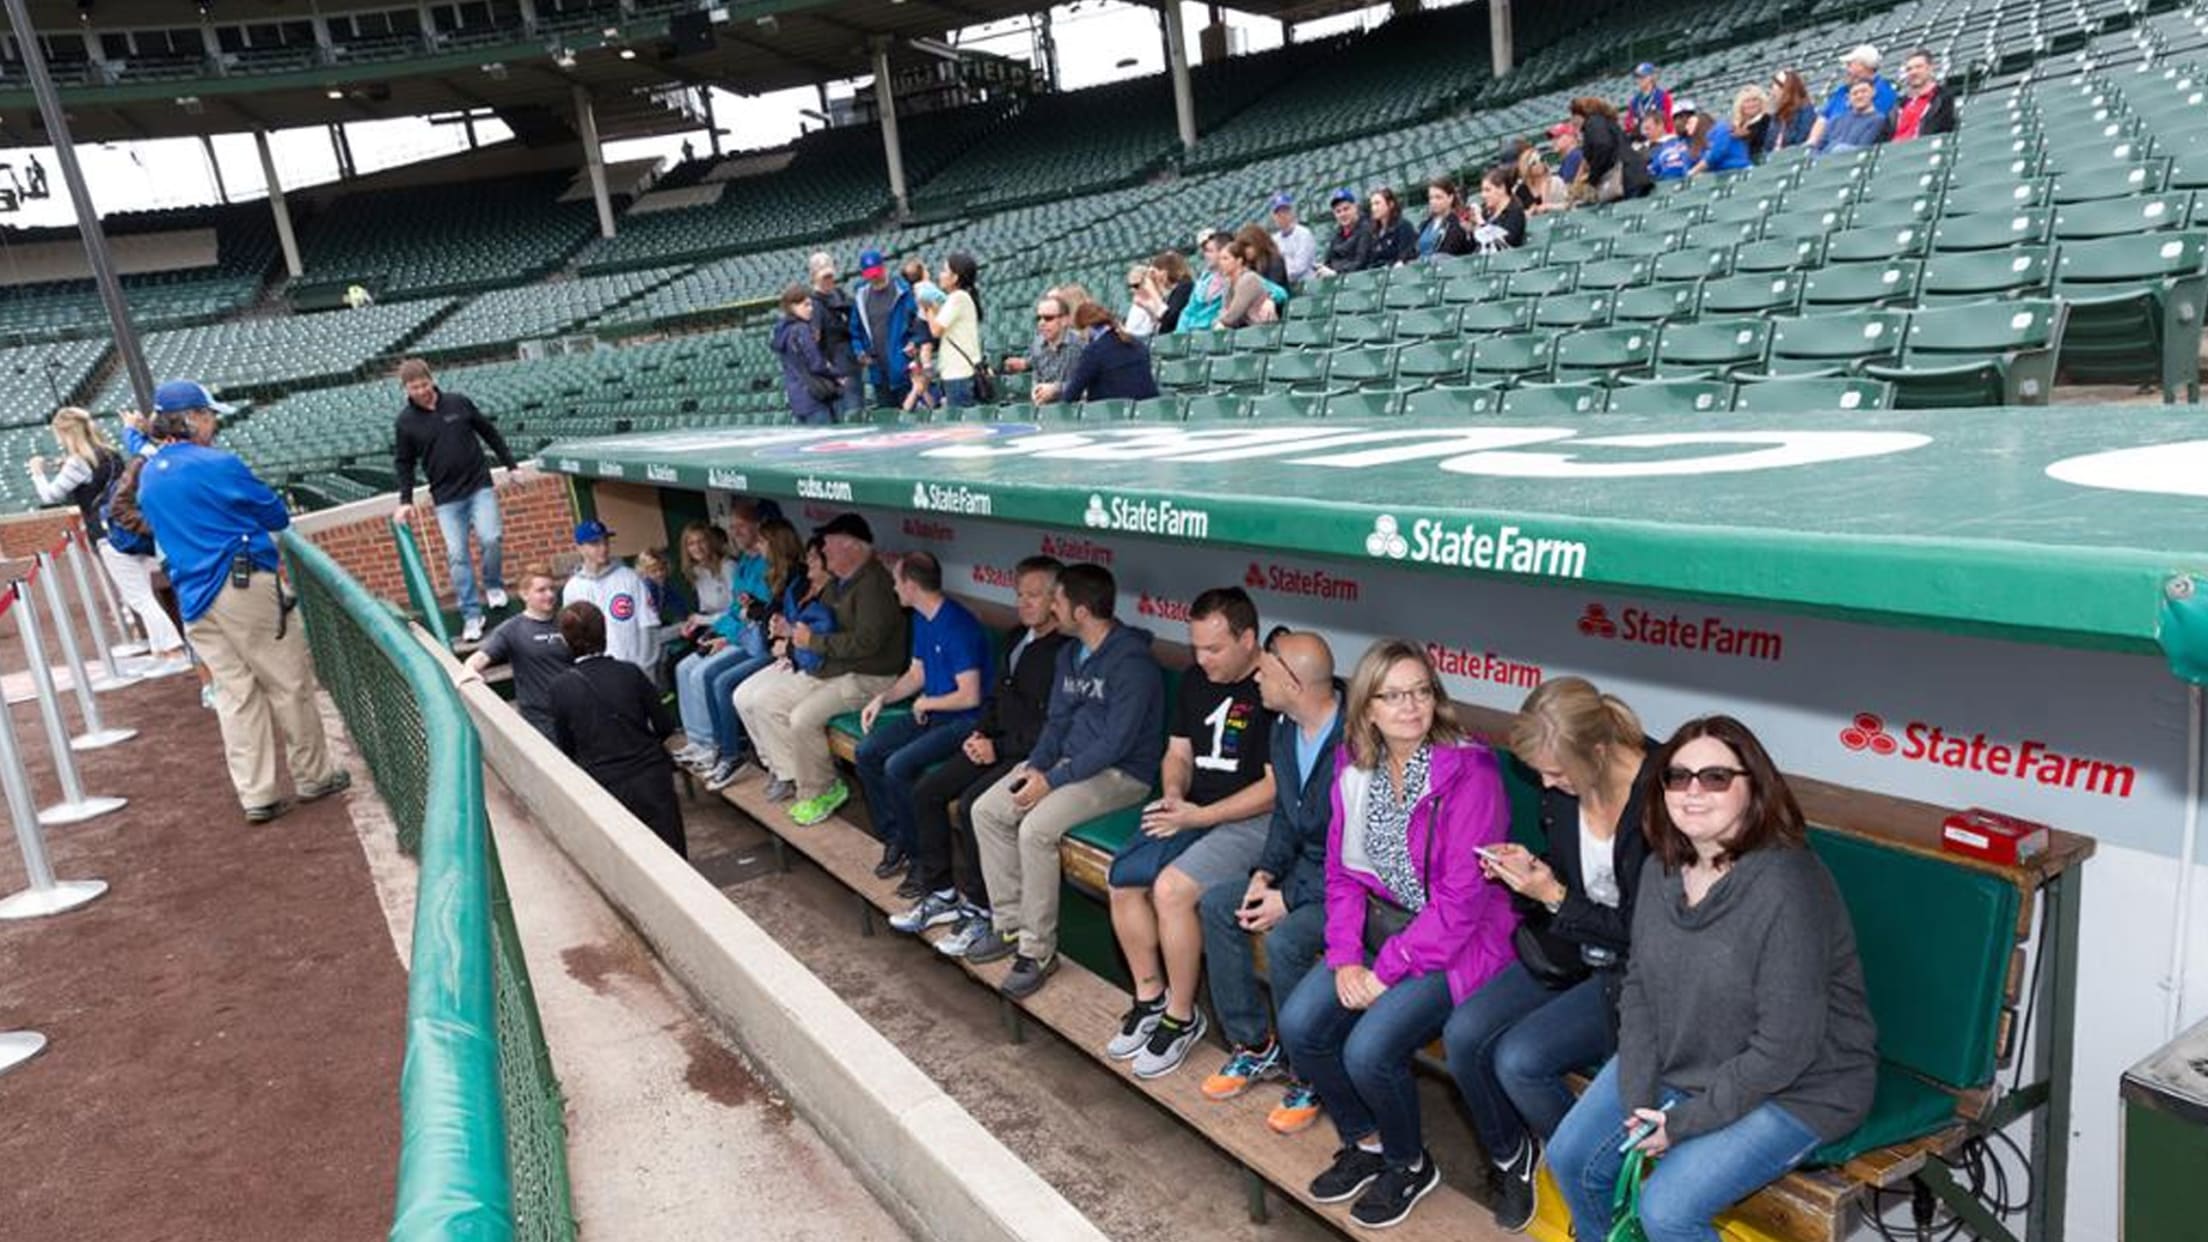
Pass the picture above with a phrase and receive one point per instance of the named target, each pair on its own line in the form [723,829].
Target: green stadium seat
[1426,325]
[1552,400]
[1655,304]
[1486,318]
[1893,213]
[1843,286]
[1155,410]
[1169,347]
[1277,406]
[1691,264]
[1298,370]
[1237,373]
[2135,308]
[1178,375]
[1432,362]
[1306,334]
[1573,310]
[1579,251]
[1364,329]
[1992,230]
[1649,246]
[1877,245]
[1980,274]
[1614,273]
[1711,348]
[1453,402]
[2088,185]
[1369,367]
[1114,409]
[1999,354]
[1972,197]
[1838,343]
[1542,282]
[1261,338]
[1509,262]
[1465,290]
[1518,358]
[2120,217]
[1672,396]
[1813,394]
[1214,406]
[1721,236]
[1604,355]
[1412,295]
[1779,254]
[1362,405]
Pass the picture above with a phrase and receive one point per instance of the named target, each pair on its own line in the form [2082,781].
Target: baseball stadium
[970,620]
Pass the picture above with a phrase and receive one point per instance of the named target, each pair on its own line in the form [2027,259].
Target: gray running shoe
[1028,976]
[1134,1028]
[933,911]
[970,930]
[724,774]
[779,790]
[990,945]
[1168,1047]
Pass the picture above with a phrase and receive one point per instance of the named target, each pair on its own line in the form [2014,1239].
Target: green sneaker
[813,810]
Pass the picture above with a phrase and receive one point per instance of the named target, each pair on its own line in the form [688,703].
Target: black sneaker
[1514,1190]
[989,945]
[264,814]
[1399,1189]
[1353,1169]
[1027,976]
[894,860]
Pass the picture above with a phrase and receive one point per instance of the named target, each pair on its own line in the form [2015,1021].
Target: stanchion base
[78,812]
[154,670]
[16,1047]
[34,903]
[115,678]
[129,649]
[101,740]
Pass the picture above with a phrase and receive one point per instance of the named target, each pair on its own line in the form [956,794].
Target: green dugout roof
[2080,526]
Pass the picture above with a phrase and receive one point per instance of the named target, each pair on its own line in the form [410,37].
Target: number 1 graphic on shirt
[1218,760]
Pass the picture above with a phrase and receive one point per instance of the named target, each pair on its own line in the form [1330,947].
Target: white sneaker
[472,632]
[494,599]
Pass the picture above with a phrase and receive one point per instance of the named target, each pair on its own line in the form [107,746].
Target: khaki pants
[259,676]
[1019,850]
[786,712]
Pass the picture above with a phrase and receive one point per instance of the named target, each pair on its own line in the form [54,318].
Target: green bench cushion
[1905,1107]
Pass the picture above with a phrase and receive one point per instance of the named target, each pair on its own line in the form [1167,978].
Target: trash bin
[2165,1140]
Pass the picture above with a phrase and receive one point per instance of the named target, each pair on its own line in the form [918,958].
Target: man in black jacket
[1349,246]
[1926,108]
[1007,730]
[439,429]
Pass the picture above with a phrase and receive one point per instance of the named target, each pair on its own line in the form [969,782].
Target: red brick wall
[538,520]
[25,535]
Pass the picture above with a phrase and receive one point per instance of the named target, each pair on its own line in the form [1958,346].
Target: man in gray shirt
[1057,347]
[530,642]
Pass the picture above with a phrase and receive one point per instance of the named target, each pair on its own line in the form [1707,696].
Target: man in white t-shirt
[1298,249]
[607,581]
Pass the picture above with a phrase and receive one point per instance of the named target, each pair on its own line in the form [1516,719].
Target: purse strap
[1625,1201]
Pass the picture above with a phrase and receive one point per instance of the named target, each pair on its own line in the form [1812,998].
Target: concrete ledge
[913,1146]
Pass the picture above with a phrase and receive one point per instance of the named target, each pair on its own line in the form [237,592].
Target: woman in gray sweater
[1744,1040]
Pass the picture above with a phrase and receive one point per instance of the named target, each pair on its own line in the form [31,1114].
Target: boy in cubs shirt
[603,579]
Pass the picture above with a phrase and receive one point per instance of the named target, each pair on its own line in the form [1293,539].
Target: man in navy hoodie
[1099,752]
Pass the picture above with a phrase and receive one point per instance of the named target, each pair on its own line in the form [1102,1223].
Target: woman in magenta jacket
[1412,925]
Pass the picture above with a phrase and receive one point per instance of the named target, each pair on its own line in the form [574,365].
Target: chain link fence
[484,1137]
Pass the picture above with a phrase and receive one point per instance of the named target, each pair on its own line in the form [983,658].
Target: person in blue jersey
[214,522]
[1738,141]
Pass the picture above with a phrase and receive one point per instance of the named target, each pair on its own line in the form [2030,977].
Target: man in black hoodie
[439,429]
[954,892]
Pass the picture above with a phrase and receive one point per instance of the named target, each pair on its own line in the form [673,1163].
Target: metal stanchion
[16,1047]
[96,735]
[74,806]
[113,676]
[125,621]
[46,895]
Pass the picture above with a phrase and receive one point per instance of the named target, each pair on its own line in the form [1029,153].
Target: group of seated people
[1675,936]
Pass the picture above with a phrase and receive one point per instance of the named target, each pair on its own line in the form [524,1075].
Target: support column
[586,124]
[212,46]
[1176,63]
[276,204]
[80,199]
[429,27]
[712,119]
[342,148]
[529,16]
[893,151]
[214,165]
[1499,37]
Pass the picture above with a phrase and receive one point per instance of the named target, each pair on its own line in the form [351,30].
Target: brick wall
[538,519]
[24,535]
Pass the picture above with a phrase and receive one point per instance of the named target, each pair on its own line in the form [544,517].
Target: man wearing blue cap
[1648,99]
[881,324]
[1349,248]
[1298,249]
[213,520]
[619,592]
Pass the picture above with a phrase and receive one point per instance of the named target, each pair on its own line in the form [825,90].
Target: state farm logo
[732,480]
[1145,517]
[921,528]
[1506,549]
[1161,607]
[1068,548]
[1482,666]
[1714,635]
[954,499]
[2030,760]
[1307,583]
[995,576]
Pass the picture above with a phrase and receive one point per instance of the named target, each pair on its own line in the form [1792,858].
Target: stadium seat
[2120,217]
[1438,323]
[1992,230]
[1711,348]
[1813,394]
[1551,400]
[1432,362]
[1836,344]
[1214,406]
[1694,263]
[1451,402]
[1776,293]
[1877,245]
[1275,406]
[2135,309]
[1613,274]
[1518,358]
[1361,405]
[1181,374]
[1779,254]
[1298,370]
[1604,355]
[1235,373]
[1672,396]
[1370,329]
[1844,286]
[1980,274]
[1369,367]
[1487,318]
[1999,354]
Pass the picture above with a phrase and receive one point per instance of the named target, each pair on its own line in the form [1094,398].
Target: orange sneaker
[1298,1108]
[1246,1066]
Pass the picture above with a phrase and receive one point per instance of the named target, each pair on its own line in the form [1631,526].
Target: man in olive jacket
[786,711]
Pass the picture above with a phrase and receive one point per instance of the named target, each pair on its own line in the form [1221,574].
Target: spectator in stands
[881,324]
[1744,1038]
[924,388]
[1073,295]
[1209,296]
[1264,257]
[1668,155]
[946,682]
[1393,239]
[1283,897]
[1349,247]
[722,636]
[1648,100]
[1607,175]
[1052,355]
[530,642]
[810,382]
[1858,128]
[1171,285]
[214,521]
[946,878]
[1113,363]
[1141,323]
[1249,297]
[1792,114]
[1206,828]
[1503,222]
[1564,141]
[1412,927]
[1098,752]
[1737,142]
[357,297]
[608,719]
[788,581]
[91,468]
[619,593]
[1693,127]
[663,590]
[956,326]
[1552,1011]
[1298,249]
[1445,231]
[1539,190]
[1858,66]
[787,710]
[1926,107]
[832,319]
[439,429]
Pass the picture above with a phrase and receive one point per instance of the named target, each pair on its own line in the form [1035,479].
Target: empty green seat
[1654,304]
[1847,285]
[1517,358]
[1604,355]
[1297,369]
[1369,367]
[1773,293]
[1212,406]
[1981,274]
[1467,289]
[1306,334]
[1155,410]
[1543,282]
[1779,254]
[1992,230]
[1693,264]
[1180,374]
[1432,362]
[1552,400]
[1836,344]
[1492,317]
[1893,213]
[1426,325]
[1262,338]
[1286,405]
[1614,273]
[1451,402]
[1237,373]
[1711,348]
[1361,405]
[1873,245]
[1364,329]
[2000,354]
[2135,309]
[1672,396]
[1813,394]
[2120,217]
[1573,310]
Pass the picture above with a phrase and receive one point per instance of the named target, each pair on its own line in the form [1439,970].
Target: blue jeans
[1698,1178]
[479,513]
[693,687]
[1360,1059]
[959,393]
[1292,947]
[853,399]
[720,702]
[1510,1045]
[892,758]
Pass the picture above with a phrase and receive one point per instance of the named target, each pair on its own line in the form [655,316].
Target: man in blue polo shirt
[1860,65]
[213,519]
[947,681]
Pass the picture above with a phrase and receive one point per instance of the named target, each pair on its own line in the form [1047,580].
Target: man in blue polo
[1860,65]
[213,520]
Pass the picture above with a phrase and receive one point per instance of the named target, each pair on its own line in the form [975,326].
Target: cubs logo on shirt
[623,606]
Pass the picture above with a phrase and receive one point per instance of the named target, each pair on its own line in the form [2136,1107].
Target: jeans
[1510,1045]
[890,395]
[693,686]
[720,703]
[1698,1178]
[944,855]
[892,758]
[959,393]
[1292,947]
[480,513]
[853,399]
[1359,1060]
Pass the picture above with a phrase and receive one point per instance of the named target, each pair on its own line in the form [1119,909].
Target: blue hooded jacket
[1107,711]
[799,351]
[887,368]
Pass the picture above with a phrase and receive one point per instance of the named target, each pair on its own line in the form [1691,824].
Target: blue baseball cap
[1644,70]
[870,263]
[1281,200]
[1343,195]
[592,531]
[177,396]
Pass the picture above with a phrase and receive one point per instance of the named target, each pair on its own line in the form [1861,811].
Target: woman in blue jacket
[1738,141]
[1112,363]
[790,565]
[809,380]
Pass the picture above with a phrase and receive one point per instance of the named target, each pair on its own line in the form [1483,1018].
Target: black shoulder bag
[1384,919]
[985,380]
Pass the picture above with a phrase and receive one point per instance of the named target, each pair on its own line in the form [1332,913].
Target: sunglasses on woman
[1712,780]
